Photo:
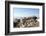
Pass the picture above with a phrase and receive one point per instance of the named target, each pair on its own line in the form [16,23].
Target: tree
[34,17]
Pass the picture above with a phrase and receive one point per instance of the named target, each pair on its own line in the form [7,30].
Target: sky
[20,12]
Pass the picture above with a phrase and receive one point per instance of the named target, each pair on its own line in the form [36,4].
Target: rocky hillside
[26,22]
